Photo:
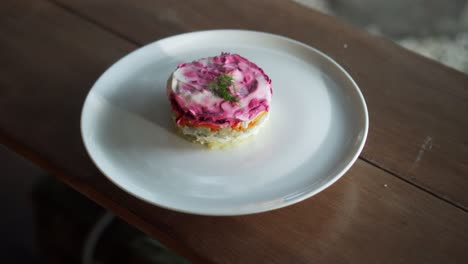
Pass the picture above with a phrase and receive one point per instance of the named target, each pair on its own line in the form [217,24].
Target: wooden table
[404,201]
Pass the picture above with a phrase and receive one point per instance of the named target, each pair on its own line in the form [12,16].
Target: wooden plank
[367,217]
[417,107]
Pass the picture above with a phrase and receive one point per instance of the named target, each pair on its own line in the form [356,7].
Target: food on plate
[219,101]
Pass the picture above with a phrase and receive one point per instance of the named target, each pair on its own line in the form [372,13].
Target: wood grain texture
[417,107]
[50,58]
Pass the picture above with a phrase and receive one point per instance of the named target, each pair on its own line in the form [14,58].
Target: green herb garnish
[220,86]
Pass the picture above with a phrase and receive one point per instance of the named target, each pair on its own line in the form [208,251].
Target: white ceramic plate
[317,128]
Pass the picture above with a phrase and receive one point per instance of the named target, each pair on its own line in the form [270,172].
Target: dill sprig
[220,86]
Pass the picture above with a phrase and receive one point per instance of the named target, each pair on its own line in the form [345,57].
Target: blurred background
[436,29]
[36,227]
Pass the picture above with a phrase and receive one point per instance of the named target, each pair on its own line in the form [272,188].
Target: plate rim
[241,210]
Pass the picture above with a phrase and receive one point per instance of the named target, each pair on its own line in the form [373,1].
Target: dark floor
[16,223]
[44,221]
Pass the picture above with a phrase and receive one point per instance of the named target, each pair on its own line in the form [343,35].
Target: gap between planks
[422,188]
